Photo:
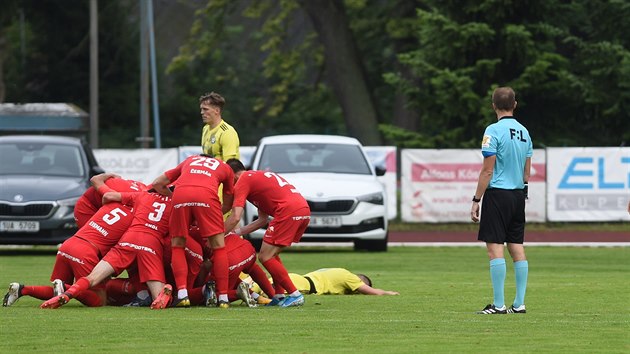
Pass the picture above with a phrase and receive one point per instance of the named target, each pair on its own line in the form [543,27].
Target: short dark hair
[365,279]
[213,98]
[504,98]
[236,165]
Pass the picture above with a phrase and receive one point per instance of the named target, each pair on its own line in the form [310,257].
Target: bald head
[504,99]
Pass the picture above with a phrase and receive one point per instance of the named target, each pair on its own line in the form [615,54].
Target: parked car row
[41,178]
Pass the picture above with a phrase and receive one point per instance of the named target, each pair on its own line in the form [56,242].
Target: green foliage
[440,289]
[562,67]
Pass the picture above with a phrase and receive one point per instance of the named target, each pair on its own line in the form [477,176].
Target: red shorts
[240,259]
[83,211]
[283,232]
[142,247]
[195,204]
[75,259]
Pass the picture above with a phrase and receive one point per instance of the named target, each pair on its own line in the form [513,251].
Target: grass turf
[577,301]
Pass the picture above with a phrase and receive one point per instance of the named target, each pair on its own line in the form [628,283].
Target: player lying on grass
[332,281]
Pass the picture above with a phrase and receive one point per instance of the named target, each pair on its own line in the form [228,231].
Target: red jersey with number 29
[269,192]
[203,171]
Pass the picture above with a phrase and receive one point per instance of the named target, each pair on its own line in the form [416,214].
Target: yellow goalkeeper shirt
[221,142]
[327,281]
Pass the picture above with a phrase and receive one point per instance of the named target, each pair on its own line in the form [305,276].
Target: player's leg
[521,271]
[515,239]
[220,265]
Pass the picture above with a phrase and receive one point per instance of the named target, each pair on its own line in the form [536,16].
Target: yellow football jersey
[221,142]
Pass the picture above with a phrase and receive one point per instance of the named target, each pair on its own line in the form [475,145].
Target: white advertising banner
[138,164]
[438,185]
[385,156]
[588,184]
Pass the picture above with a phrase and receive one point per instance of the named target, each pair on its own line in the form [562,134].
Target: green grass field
[577,301]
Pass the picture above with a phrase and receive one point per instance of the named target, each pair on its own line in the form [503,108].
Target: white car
[335,176]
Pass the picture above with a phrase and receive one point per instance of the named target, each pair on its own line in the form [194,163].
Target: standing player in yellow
[218,139]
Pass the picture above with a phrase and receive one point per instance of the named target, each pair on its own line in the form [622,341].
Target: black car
[41,178]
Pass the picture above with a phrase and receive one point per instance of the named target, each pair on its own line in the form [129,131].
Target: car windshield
[314,157]
[26,158]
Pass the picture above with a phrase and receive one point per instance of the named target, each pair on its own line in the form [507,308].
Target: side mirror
[380,171]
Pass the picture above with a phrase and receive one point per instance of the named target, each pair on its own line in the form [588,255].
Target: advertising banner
[588,184]
[138,164]
[438,185]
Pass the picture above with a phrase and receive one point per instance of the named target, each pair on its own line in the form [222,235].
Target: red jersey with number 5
[203,171]
[105,228]
[269,192]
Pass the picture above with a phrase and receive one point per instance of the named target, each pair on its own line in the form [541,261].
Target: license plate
[19,226]
[325,221]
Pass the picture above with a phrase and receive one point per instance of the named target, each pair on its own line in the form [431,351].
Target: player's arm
[484,179]
[254,225]
[228,201]
[229,145]
[160,184]
[527,170]
[99,180]
[368,290]
[232,220]
[110,197]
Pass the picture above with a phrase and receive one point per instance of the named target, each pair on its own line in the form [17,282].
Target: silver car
[41,178]
[335,177]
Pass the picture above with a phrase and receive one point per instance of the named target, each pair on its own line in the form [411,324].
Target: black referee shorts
[502,216]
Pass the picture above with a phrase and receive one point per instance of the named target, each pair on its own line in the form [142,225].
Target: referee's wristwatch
[475,199]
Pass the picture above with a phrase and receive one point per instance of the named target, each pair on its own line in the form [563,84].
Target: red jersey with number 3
[151,212]
[269,192]
[105,228]
[205,172]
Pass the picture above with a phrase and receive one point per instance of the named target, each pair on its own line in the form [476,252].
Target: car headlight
[374,198]
[68,202]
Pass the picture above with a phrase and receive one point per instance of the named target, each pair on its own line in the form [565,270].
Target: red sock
[280,275]
[90,298]
[81,285]
[120,286]
[260,277]
[41,292]
[220,270]
[196,296]
[179,266]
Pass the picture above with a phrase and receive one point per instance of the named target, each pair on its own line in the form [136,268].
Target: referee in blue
[507,151]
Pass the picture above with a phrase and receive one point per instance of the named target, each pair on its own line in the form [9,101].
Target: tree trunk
[345,69]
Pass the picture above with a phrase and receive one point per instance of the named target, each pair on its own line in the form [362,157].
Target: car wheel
[371,245]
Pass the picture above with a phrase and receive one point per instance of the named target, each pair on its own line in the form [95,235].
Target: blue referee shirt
[509,140]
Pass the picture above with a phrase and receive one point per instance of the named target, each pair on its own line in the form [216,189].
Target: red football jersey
[151,212]
[269,192]
[105,228]
[202,171]
[117,184]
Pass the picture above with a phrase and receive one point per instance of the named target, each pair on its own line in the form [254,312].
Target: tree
[567,61]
